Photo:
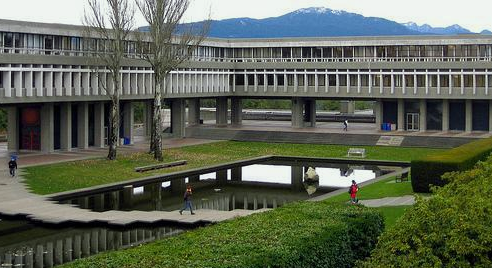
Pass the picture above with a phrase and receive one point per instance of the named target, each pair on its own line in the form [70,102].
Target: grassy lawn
[81,174]
[381,189]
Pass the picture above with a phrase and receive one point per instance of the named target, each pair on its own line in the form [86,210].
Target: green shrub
[428,171]
[451,229]
[305,234]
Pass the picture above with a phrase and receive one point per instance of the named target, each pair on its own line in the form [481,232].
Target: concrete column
[66,126]
[297,113]
[490,116]
[468,116]
[221,112]
[178,118]
[236,111]
[378,113]
[149,114]
[347,107]
[401,115]
[193,112]
[128,120]
[423,115]
[13,129]
[83,125]
[99,130]
[47,128]
[445,115]
[310,112]
[237,174]
[296,177]
[221,176]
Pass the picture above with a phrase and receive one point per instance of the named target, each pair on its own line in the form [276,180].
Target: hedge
[428,170]
[304,234]
[451,229]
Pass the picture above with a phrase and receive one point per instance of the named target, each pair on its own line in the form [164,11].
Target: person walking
[187,201]
[12,166]
[345,125]
[354,188]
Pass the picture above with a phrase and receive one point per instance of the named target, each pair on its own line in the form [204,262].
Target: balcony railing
[203,58]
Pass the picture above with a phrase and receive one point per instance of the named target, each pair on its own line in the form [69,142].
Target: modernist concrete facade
[55,100]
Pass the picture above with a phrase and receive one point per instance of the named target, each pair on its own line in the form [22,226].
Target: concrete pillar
[378,113]
[296,177]
[193,112]
[468,116]
[423,115]
[490,116]
[347,107]
[99,130]
[237,174]
[47,128]
[13,129]
[67,255]
[297,113]
[401,115]
[66,126]
[221,176]
[221,112]
[445,115]
[147,118]
[128,120]
[310,113]
[178,118]
[236,111]
[83,125]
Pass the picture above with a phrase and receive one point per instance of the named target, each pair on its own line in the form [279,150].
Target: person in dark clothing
[187,201]
[12,166]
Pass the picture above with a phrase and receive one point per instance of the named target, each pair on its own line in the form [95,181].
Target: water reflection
[251,187]
[23,244]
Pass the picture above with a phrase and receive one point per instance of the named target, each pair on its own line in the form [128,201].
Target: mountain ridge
[321,22]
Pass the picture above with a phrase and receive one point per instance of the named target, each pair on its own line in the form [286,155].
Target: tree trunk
[114,127]
[157,122]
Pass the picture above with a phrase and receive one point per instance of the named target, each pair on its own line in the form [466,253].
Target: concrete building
[55,100]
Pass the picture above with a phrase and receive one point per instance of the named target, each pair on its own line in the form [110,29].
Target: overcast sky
[472,14]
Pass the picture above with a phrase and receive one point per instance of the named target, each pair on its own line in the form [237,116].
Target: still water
[25,244]
[264,185]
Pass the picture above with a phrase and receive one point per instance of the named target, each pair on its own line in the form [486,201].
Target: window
[420,80]
[332,80]
[239,79]
[433,80]
[321,80]
[444,80]
[409,82]
[286,53]
[270,80]
[290,80]
[468,79]
[311,80]
[480,79]
[456,80]
[364,80]
[354,80]
[342,80]
[300,79]
[280,80]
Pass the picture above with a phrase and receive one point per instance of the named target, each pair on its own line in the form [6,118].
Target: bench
[401,177]
[356,152]
[160,166]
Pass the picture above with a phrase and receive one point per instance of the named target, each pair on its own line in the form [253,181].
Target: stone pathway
[406,200]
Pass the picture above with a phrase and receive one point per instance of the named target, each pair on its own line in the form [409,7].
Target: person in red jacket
[354,188]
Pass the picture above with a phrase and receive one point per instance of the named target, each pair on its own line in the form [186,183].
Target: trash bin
[126,141]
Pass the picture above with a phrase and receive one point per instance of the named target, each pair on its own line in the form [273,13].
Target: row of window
[66,45]
[353,80]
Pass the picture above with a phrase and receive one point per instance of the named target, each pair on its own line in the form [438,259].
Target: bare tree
[169,47]
[111,23]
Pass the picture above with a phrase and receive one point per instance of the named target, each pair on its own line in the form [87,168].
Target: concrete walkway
[406,200]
